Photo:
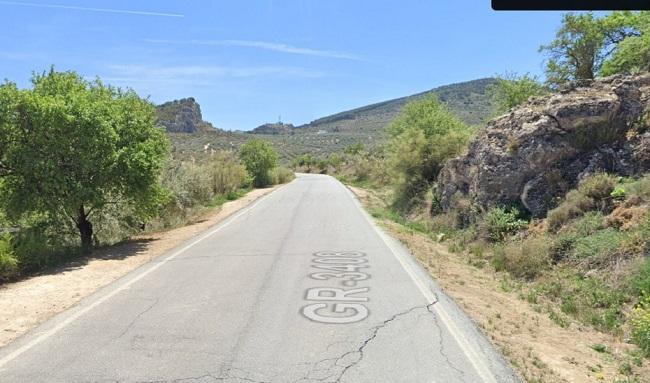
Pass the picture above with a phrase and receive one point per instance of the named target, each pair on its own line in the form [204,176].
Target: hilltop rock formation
[540,150]
[183,116]
[277,128]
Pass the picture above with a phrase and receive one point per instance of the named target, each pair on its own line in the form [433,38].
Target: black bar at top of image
[570,5]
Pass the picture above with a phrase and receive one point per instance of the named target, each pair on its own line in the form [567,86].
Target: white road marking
[474,358]
[47,334]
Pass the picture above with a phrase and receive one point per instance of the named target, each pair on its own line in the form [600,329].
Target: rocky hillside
[537,152]
[467,100]
[277,128]
[183,116]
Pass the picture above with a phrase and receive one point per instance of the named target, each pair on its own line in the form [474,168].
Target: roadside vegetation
[588,262]
[83,165]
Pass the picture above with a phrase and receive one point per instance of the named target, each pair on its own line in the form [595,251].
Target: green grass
[223,198]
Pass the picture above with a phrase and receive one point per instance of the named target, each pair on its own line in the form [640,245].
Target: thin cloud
[270,46]
[201,72]
[90,9]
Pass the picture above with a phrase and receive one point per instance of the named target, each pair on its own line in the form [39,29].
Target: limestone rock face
[543,148]
[182,116]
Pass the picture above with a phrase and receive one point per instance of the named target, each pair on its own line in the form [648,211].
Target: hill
[183,116]
[277,128]
[467,100]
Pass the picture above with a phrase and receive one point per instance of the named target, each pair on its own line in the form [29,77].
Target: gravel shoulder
[29,302]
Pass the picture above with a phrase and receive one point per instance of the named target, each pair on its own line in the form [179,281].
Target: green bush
[44,243]
[499,223]
[599,187]
[8,261]
[525,259]
[260,158]
[640,323]
[423,136]
[511,90]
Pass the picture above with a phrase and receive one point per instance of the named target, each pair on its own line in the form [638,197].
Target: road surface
[299,287]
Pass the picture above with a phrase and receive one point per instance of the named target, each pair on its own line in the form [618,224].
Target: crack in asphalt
[137,317]
[441,347]
[359,352]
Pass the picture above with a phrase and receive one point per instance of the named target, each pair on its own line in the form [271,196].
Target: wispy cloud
[90,9]
[270,46]
[201,74]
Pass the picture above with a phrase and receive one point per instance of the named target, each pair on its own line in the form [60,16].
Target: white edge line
[46,334]
[468,350]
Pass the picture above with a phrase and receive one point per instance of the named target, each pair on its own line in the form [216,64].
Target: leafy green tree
[72,147]
[423,136]
[632,54]
[584,42]
[576,52]
[511,90]
[259,157]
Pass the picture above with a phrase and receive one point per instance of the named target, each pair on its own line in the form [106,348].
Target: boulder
[538,151]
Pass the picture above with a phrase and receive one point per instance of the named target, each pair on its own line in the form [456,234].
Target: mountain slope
[468,100]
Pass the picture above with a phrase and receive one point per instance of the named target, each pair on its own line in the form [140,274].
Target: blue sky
[247,62]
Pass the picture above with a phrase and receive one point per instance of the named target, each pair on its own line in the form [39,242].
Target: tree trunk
[85,230]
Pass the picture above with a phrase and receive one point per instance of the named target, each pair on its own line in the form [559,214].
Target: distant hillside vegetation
[334,133]
[183,116]
[277,128]
[467,100]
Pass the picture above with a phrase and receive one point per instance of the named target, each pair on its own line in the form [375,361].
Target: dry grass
[542,347]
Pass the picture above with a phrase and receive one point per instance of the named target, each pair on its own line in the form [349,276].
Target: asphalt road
[299,287]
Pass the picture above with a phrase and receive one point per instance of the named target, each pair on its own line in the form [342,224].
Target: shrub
[260,158]
[226,174]
[640,324]
[43,243]
[423,136]
[593,193]
[639,190]
[281,175]
[511,90]
[499,223]
[8,261]
[599,187]
[523,259]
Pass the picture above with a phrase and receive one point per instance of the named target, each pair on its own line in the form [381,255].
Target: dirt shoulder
[539,348]
[29,302]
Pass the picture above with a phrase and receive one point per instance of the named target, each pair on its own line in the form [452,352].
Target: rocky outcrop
[540,150]
[277,128]
[182,116]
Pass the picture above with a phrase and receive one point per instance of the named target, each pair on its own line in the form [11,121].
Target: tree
[632,54]
[423,136]
[511,90]
[259,157]
[583,43]
[576,52]
[72,147]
